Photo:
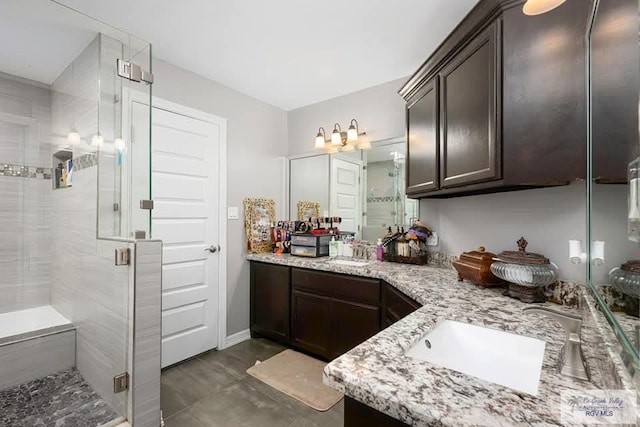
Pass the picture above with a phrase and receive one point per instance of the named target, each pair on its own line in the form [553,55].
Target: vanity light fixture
[97,140]
[538,7]
[337,136]
[119,144]
[345,141]
[352,133]
[321,139]
[73,137]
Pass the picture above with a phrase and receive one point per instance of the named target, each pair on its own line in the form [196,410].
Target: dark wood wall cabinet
[500,105]
[324,314]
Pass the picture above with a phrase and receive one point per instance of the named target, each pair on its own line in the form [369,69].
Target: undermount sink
[349,263]
[503,358]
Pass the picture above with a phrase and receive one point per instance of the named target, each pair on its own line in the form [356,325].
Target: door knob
[213,249]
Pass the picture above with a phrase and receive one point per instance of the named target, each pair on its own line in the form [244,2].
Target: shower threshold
[63,399]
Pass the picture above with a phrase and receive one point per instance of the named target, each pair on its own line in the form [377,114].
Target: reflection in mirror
[365,188]
[614,212]
[385,182]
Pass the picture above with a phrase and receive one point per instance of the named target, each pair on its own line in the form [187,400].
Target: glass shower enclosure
[74,166]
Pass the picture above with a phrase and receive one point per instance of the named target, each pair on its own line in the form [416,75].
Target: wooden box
[475,266]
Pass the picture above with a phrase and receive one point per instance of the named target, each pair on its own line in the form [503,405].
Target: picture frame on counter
[259,214]
[308,209]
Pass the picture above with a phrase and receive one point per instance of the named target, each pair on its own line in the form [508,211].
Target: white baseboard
[236,338]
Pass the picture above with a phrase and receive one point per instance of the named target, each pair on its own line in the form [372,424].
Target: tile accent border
[85,161]
[23,171]
[382,199]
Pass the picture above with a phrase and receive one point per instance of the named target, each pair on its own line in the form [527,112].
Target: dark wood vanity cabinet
[395,305]
[311,322]
[511,102]
[321,313]
[270,298]
[333,313]
[351,324]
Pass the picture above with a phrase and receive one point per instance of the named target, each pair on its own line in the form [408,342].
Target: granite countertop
[380,375]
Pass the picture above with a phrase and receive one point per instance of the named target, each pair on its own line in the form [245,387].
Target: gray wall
[257,146]
[24,202]
[548,218]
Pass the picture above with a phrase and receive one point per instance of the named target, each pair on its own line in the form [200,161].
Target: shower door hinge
[123,256]
[121,383]
[146,204]
[133,72]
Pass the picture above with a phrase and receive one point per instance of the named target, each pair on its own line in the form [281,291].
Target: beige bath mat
[298,376]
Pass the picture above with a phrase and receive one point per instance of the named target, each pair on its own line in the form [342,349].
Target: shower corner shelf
[62,169]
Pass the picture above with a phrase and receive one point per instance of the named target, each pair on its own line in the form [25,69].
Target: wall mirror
[365,188]
[614,193]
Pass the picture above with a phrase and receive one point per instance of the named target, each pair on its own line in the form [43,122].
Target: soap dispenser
[333,247]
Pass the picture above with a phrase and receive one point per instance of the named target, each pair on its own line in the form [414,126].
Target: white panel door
[185,187]
[345,193]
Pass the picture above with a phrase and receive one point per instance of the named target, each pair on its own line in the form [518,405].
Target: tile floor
[63,399]
[214,390]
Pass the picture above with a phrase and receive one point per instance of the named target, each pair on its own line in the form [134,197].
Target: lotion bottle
[379,250]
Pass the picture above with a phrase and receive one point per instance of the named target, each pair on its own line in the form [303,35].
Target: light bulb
[97,140]
[73,137]
[119,144]
[538,7]
[320,141]
[336,139]
[352,134]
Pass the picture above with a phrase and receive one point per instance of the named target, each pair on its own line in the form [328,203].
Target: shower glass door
[74,166]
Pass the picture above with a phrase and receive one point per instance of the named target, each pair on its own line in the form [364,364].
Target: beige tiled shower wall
[25,127]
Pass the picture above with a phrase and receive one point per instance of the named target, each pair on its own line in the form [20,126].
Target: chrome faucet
[571,361]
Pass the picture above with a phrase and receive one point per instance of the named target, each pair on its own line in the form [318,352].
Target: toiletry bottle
[379,250]
[333,247]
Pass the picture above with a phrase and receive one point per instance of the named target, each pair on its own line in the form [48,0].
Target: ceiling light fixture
[538,7]
[346,141]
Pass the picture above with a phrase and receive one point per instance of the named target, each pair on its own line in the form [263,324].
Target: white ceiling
[288,53]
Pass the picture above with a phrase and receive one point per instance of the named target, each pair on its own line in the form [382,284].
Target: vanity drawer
[337,285]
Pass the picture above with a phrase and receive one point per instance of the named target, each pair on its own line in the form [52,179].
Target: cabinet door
[422,140]
[270,300]
[396,305]
[311,322]
[470,140]
[351,324]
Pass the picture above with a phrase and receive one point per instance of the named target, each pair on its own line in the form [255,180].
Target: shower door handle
[213,249]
